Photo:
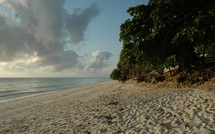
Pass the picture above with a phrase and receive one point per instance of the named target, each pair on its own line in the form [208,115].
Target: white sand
[112,108]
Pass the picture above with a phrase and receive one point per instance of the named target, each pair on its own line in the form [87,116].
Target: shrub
[116,74]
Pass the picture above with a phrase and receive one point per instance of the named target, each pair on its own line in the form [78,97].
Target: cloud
[78,22]
[100,59]
[67,60]
[1,1]
[40,28]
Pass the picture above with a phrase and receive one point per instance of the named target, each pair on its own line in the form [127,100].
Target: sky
[61,38]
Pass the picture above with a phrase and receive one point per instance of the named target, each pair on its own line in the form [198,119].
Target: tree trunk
[170,74]
[160,71]
[180,69]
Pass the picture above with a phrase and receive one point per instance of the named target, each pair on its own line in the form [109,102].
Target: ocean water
[15,88]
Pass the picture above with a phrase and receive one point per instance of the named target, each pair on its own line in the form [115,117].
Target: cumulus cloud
[100,59]
[40,28]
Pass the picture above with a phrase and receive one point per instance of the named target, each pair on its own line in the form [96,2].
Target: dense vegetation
[166,33]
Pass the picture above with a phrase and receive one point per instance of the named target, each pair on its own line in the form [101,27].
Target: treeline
[166,33]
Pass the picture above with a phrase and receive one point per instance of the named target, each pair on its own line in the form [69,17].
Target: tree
[164,33]
[116,74]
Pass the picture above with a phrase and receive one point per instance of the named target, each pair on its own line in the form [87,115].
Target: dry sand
[112,108]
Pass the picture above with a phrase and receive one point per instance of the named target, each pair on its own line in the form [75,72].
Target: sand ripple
[112,108]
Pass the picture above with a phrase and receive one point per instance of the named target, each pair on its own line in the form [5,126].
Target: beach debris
[121,109]
[163,125]
[160,110]
[119,131]
[211,109]
[109,122]
[80,125]
[187,125]
[120,116]
[206,100]
[188,105]
[108,117]
[145,101]
[114,103]
[88,132]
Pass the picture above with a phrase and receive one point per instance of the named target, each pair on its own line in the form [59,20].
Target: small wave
[19,88]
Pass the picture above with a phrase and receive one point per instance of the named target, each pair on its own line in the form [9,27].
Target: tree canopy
[166,33]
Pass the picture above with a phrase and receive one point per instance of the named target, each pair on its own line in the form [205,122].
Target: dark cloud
[58,62]
[77,23]
[100,59]
[41,28]
[14,41]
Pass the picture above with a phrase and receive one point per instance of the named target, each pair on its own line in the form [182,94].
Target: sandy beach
[112,107]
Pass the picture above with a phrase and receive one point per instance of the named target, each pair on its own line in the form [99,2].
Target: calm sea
[14,88]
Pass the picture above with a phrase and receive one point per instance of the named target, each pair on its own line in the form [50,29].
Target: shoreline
[112,107]
[49,92]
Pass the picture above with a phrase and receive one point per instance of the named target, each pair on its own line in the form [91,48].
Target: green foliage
[170,61]
[164,33]
[116,74]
